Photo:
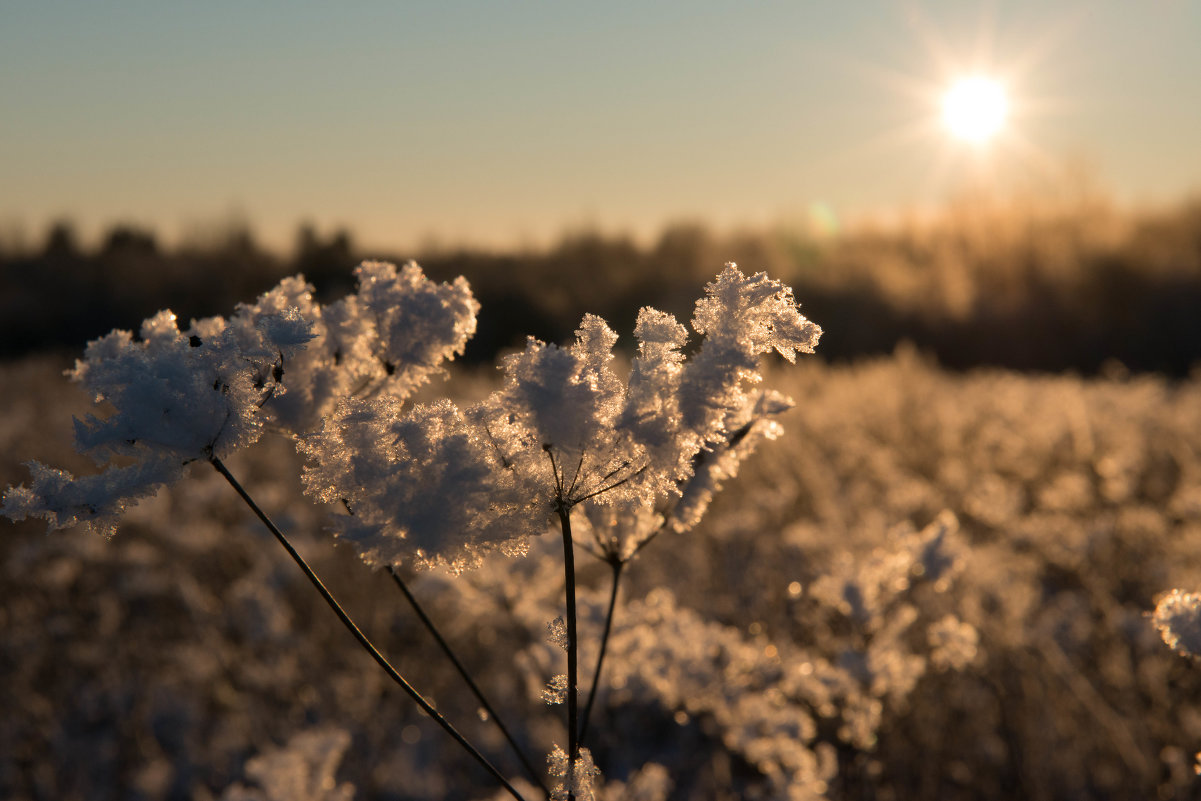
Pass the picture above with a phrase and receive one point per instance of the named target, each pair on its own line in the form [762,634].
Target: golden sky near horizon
[497,123]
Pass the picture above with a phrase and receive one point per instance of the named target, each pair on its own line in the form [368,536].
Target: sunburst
[974,108]
[972,112]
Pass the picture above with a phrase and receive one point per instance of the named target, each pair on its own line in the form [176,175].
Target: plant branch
[612,486]
[554,467]
[579,469]
[614,471]
[367,645]
[446,649]
[651,536]
[617,565]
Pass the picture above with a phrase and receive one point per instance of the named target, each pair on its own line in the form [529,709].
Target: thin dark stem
[617,565]
[593,549]
[651,536]
[579,469]
[446,649]
[614,471]
[368,646]
[612,486]
[554,467]
[573,745]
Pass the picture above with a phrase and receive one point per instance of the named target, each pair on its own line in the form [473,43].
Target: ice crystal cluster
[556,689]
[1177,616]
[169,397]
[583,778]
[438,485]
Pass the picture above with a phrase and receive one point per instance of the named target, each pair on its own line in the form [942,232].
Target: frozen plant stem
[617,565]
[368,646]
[446,649]
[573,745]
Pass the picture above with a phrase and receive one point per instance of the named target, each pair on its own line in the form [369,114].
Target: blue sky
[508,122]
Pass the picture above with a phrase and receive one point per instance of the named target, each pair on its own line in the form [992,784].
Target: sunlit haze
[507,124]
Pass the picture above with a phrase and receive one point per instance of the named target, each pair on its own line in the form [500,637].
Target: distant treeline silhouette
[1059,286]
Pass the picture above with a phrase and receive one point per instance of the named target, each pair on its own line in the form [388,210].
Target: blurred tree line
[1031,286]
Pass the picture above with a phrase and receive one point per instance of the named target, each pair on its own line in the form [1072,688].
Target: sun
[974,108]
[967,111]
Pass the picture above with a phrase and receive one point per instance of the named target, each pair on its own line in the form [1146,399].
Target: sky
[507,123]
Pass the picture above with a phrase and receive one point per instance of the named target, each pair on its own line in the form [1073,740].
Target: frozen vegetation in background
[932,586]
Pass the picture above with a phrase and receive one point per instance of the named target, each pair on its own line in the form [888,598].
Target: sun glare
[974,108]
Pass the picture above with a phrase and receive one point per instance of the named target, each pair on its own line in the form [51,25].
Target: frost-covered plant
[303,770]
[879,654]
[179,397]
[439,485]
[796,710]
[173,397]
[387,338]
[176,397]
[757,698]
[436,485]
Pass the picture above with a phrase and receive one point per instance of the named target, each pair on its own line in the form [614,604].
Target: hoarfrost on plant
[556,689]
[584,782]
[565,430]
[170,397]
